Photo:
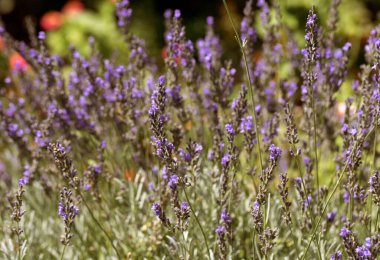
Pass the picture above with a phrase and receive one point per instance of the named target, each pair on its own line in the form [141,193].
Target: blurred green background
[96,18]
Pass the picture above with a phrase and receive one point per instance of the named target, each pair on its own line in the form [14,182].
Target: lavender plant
[201,158]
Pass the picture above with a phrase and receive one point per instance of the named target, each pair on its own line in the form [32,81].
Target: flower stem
[18,242]
[99,225]
[241,45]
[199,223]
[63,252]
[333,192]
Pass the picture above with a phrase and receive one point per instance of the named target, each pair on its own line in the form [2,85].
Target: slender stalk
[99,225]
[377,219]
[63,252]
[373,167]
[332,194]
[307,194]
[302,179]
[294,241]
[315,145]
[184,246]
[242,45]
[18,242]
[198,222]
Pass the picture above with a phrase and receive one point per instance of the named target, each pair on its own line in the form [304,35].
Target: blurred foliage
[354,26]
[77,29]
[357,17]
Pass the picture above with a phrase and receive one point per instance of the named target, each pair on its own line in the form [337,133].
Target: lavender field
[273,155]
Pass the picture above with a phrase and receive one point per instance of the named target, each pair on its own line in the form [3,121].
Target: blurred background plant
[73,21]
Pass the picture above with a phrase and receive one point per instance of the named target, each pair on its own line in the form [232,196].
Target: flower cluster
[68,211]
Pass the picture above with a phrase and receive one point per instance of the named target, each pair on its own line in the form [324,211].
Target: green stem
[294,241]
[18,242]
[315,146]
[377,219]
[249,82]
[63,252]
[184,245]
[199,223]
[99,225]
[241,45]
[333,192]
[306,192]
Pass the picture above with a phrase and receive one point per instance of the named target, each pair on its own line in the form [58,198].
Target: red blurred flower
[73,7]
[51,20]
[17,62]
[164,55]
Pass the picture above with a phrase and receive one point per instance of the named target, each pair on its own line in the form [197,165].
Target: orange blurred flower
[2,43]
[17,62]
[129,175]
[73,7]
[51,20]
[164,55]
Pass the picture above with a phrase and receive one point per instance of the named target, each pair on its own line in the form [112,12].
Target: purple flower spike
[225,217]
[156,207]
[344,232]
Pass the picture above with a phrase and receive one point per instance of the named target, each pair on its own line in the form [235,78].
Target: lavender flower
[225,217]
[173,181]
[363,252]
[344,232]
[275,152]
[68,211]
[157,210]
[336,256]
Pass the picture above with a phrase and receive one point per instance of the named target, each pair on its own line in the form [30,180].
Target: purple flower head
[336,256]
[41,36]
[210,20]
[258,109]
[103,144]
[246,125]
[161,80]
[184,155]
[210,155]
[298,181]
[368,242]
[331,216]
[345,128]
[346,47]
[177,13]
[156,207]
[7,80]
[344,232]
[346,197]
[184,206]
[306,160]
[226,159]
[198,148]
[353,131]
[363,252]
[256,205]
[230,129]
[23,181]
[167,13]
[164,173]
[173,181]
[225,217]
[275,152]
[221,231]
[61,211]
[308,201]
[260,3]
